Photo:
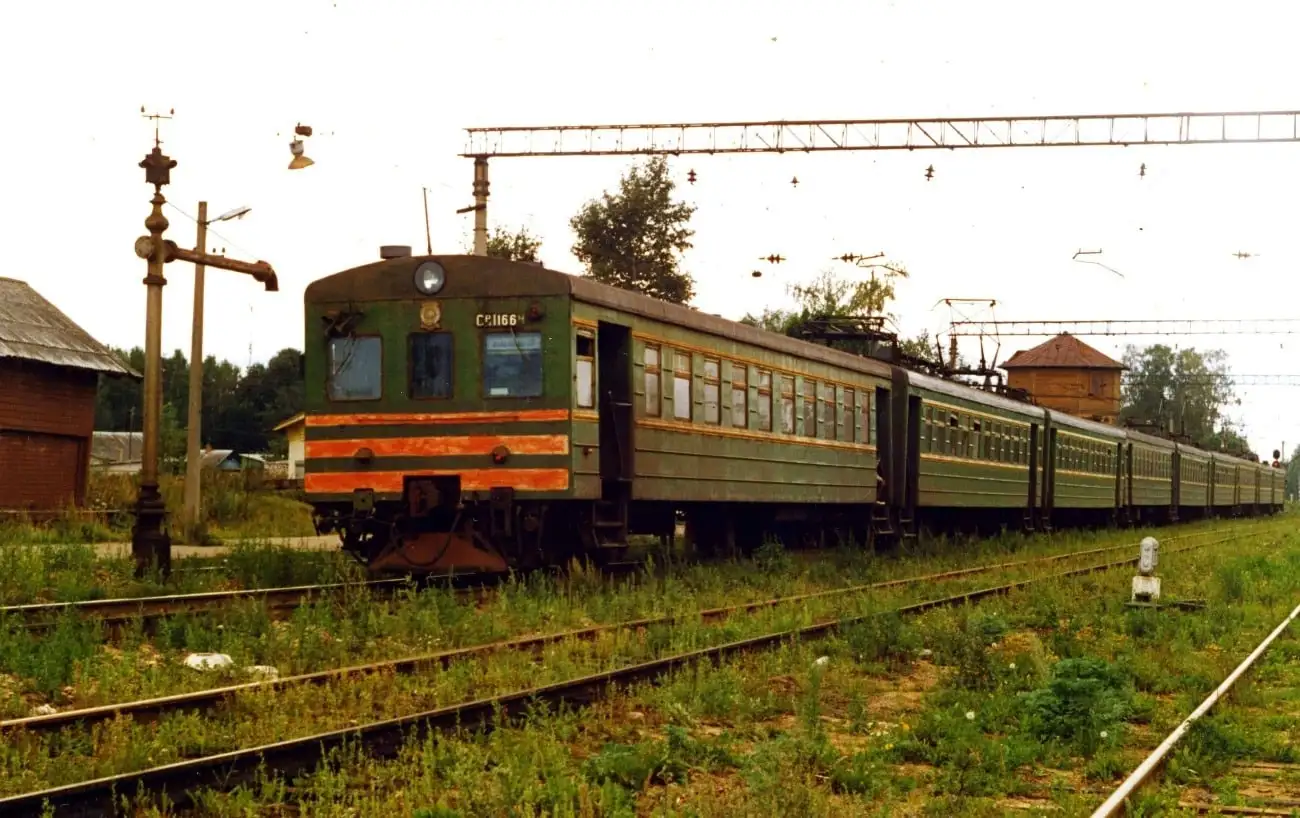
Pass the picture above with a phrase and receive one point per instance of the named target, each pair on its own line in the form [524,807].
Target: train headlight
[429,277]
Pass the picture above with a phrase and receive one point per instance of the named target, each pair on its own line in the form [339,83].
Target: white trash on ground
[208,661]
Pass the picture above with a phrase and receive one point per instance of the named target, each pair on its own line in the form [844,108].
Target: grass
[770,731]
[232,509]
[1042,699]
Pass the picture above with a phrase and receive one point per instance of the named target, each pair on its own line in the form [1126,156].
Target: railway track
[1146,771]
[384,737]
[212,697]
[120,612]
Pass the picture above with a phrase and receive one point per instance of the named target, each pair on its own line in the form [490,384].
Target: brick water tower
[1066,375]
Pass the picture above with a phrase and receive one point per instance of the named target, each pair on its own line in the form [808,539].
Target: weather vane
[171,112]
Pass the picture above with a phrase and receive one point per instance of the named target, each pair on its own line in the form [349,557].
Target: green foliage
[636,766]
[518,246]
[1085,697]
[772,558]
[239,408]
[633,239]
[1183,390]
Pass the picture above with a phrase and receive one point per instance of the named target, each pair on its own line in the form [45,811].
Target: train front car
[438,394]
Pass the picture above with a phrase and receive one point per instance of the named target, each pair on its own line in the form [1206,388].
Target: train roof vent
[395,251]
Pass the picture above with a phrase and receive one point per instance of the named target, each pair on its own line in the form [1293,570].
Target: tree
[633,239]
[1185,390]
[517,246]
[239,408]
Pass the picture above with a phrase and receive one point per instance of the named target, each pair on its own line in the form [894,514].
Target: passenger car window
[512,364]
[355,365]
[652,399]
[431,364]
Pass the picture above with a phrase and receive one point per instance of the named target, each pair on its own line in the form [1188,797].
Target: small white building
[295,430]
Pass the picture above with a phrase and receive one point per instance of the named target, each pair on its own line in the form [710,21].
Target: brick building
[49,370]
[1066,375]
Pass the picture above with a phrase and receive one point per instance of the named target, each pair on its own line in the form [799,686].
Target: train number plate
[498,319]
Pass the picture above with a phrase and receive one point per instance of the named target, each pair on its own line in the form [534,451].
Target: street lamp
[299,160]
[190,516]
[150,544]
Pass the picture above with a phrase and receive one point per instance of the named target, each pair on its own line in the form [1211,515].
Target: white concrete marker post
[1146,586]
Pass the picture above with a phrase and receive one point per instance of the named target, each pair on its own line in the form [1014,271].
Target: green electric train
[465,412]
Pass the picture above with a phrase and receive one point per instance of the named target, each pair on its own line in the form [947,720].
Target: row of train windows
[1152,464]
[828,412]
[1091,456]
[959,434]
[511,366]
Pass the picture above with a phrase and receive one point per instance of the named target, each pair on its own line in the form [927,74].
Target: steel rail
[383,738]
[42,615]
[212,697]
[1115,803]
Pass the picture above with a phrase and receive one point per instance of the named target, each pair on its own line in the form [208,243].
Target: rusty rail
[384,738]
[211,697]
[1115,803]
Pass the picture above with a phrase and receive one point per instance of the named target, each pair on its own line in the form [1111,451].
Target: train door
[1049,478]
[913,456]
[1031,513]
[1121,507]
[1134,513]
[884,448]
[1176,484]
[614,381]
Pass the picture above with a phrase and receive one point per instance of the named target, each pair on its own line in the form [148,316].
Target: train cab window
[512,364]
[850,415]
[712,391]
[584,369]
[681,385]
[431,363]
[787,404]
[826,411]
[355,365]
[764,401]
[740,396]
[653,405]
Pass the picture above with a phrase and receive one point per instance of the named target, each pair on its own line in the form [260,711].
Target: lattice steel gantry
[812,136]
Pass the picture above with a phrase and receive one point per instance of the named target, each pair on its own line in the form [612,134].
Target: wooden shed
[1066,375]
[49,370]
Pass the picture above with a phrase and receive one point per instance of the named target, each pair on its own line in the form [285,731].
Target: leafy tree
[1183,389]
[239,408]
[633,239]
[832,296]
[518,246]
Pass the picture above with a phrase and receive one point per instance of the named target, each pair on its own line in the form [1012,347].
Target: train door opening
[912,491]
[614,385]
[1031,512]
[614,382]
[1049,479]
[884,449]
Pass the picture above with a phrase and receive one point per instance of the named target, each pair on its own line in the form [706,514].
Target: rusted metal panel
[33,329]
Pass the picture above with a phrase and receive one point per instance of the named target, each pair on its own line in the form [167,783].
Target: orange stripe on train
[440,446]
[390,482]
[407,418]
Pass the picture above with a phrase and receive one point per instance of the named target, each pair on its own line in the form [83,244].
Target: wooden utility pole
[191,516]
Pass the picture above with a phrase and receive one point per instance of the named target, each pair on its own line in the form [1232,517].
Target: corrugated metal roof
[1063,351]
[33,329]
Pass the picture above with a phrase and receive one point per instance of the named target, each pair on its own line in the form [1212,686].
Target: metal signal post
[150,543]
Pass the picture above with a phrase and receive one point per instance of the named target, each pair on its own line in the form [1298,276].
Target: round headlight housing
[429,277]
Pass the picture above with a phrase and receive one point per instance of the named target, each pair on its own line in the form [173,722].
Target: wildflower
[970,715]
[822,661]
[1104,734]
[889,746]
[1012,665]
[906,727]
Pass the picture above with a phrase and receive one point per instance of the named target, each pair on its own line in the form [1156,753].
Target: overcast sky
[389,86]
